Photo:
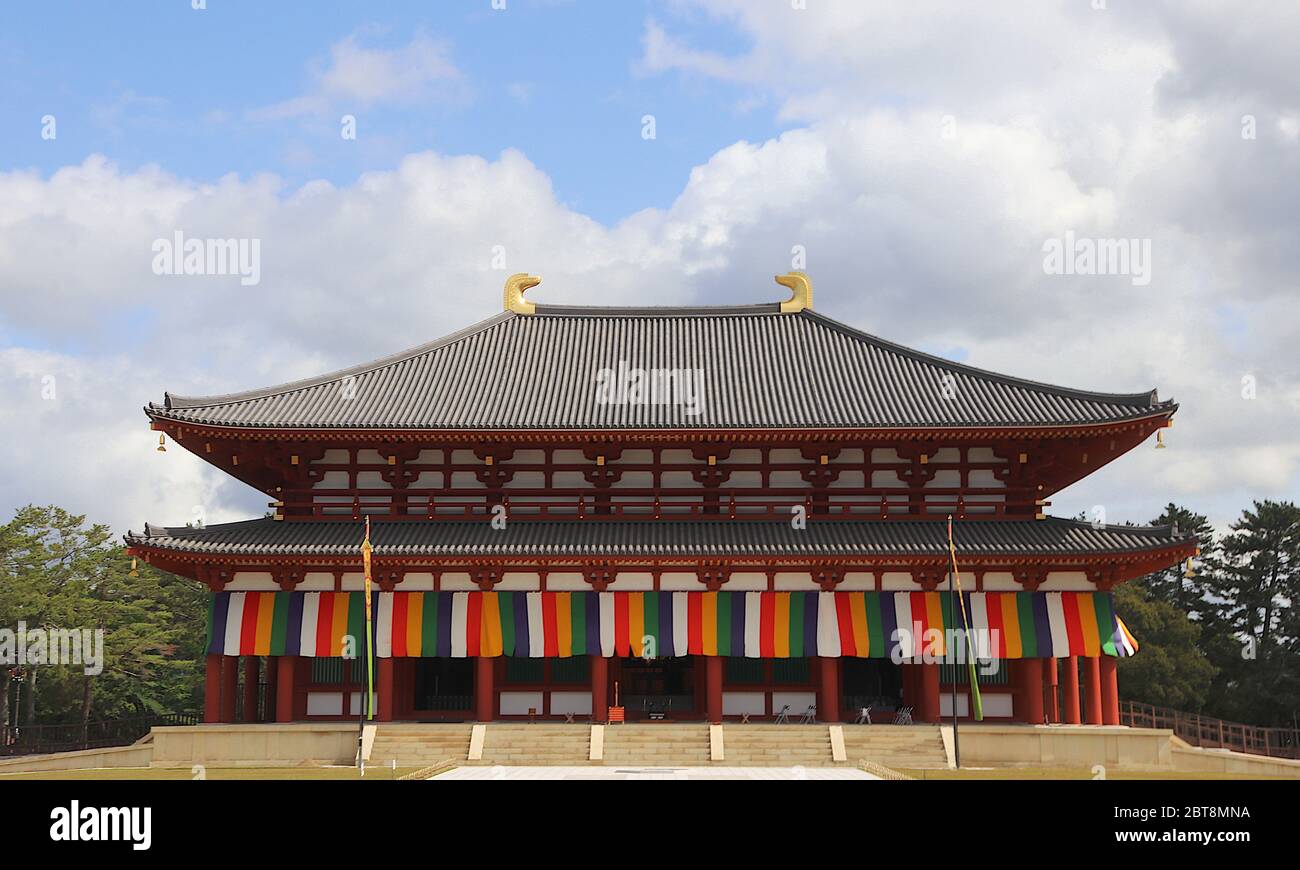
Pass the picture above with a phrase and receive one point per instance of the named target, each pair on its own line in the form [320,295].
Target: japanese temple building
[724,512]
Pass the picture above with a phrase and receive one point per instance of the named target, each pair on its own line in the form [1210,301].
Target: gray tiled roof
[658,539]
[761,369]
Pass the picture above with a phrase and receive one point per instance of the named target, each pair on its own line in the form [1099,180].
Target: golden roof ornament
[801,292]
[515,287]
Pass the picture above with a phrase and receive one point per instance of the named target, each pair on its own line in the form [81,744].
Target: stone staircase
[542,744]
[777,746]
[896,746]
[416,744]
[657,745]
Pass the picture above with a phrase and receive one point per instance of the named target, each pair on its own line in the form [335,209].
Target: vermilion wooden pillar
[1031,691]
[385,711]
[599,689]
[713,688]
[272,681]
[1070,688]
[1092,689]
[212,688]
[251,677]
[484,696]
[929,674]
[284,666]
[1053,697]
[828,708]
[229,686]
[905,677]
[1109,691]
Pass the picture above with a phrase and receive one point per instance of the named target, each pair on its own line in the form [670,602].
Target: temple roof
[662,539]
[759,368]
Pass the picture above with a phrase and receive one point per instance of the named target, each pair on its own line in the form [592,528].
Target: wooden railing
[37,739]
[1210,733]
[477,505]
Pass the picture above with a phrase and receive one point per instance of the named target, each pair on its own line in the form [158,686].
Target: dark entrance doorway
[442,688]
[653,689]
[874,683]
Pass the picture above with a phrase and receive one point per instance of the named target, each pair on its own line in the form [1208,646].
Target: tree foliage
[58,572]
[1225,640]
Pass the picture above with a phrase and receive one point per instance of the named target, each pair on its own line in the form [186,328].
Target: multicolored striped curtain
[1006,625]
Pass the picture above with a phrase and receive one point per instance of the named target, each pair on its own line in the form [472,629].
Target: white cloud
[1065,119]
[359,76]
[1123,122]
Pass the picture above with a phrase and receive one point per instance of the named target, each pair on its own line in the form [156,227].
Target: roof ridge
[759,308]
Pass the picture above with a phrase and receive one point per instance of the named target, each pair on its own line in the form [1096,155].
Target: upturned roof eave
[348,431]
[1162,541]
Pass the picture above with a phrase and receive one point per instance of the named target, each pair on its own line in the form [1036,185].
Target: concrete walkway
[642,773]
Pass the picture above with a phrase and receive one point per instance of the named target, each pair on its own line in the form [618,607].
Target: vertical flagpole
[952,604]
[370,659]
[976,704]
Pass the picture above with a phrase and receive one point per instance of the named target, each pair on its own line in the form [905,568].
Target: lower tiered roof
[661,540]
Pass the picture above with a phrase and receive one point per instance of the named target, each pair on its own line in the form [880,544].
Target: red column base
[599,689]
[251,677]
[1109,691]
[1051,679]
[229,687]
[212,688]
[1031,691]
[484,694]
[285,666]
[1092,689]
[385,711]
[930,710]
[1070,689]
[713,688]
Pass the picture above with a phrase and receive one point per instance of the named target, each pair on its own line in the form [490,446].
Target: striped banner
[1006,625]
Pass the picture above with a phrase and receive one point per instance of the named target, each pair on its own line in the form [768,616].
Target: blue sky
[163,83]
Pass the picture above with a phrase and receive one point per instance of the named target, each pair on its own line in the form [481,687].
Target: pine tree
[56,571]
[1175,585]
[1171,670]
[1252,624]
[1165,610]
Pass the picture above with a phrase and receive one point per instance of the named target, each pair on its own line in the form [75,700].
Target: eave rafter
[1145,424]
[1104,569]
[272,459]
